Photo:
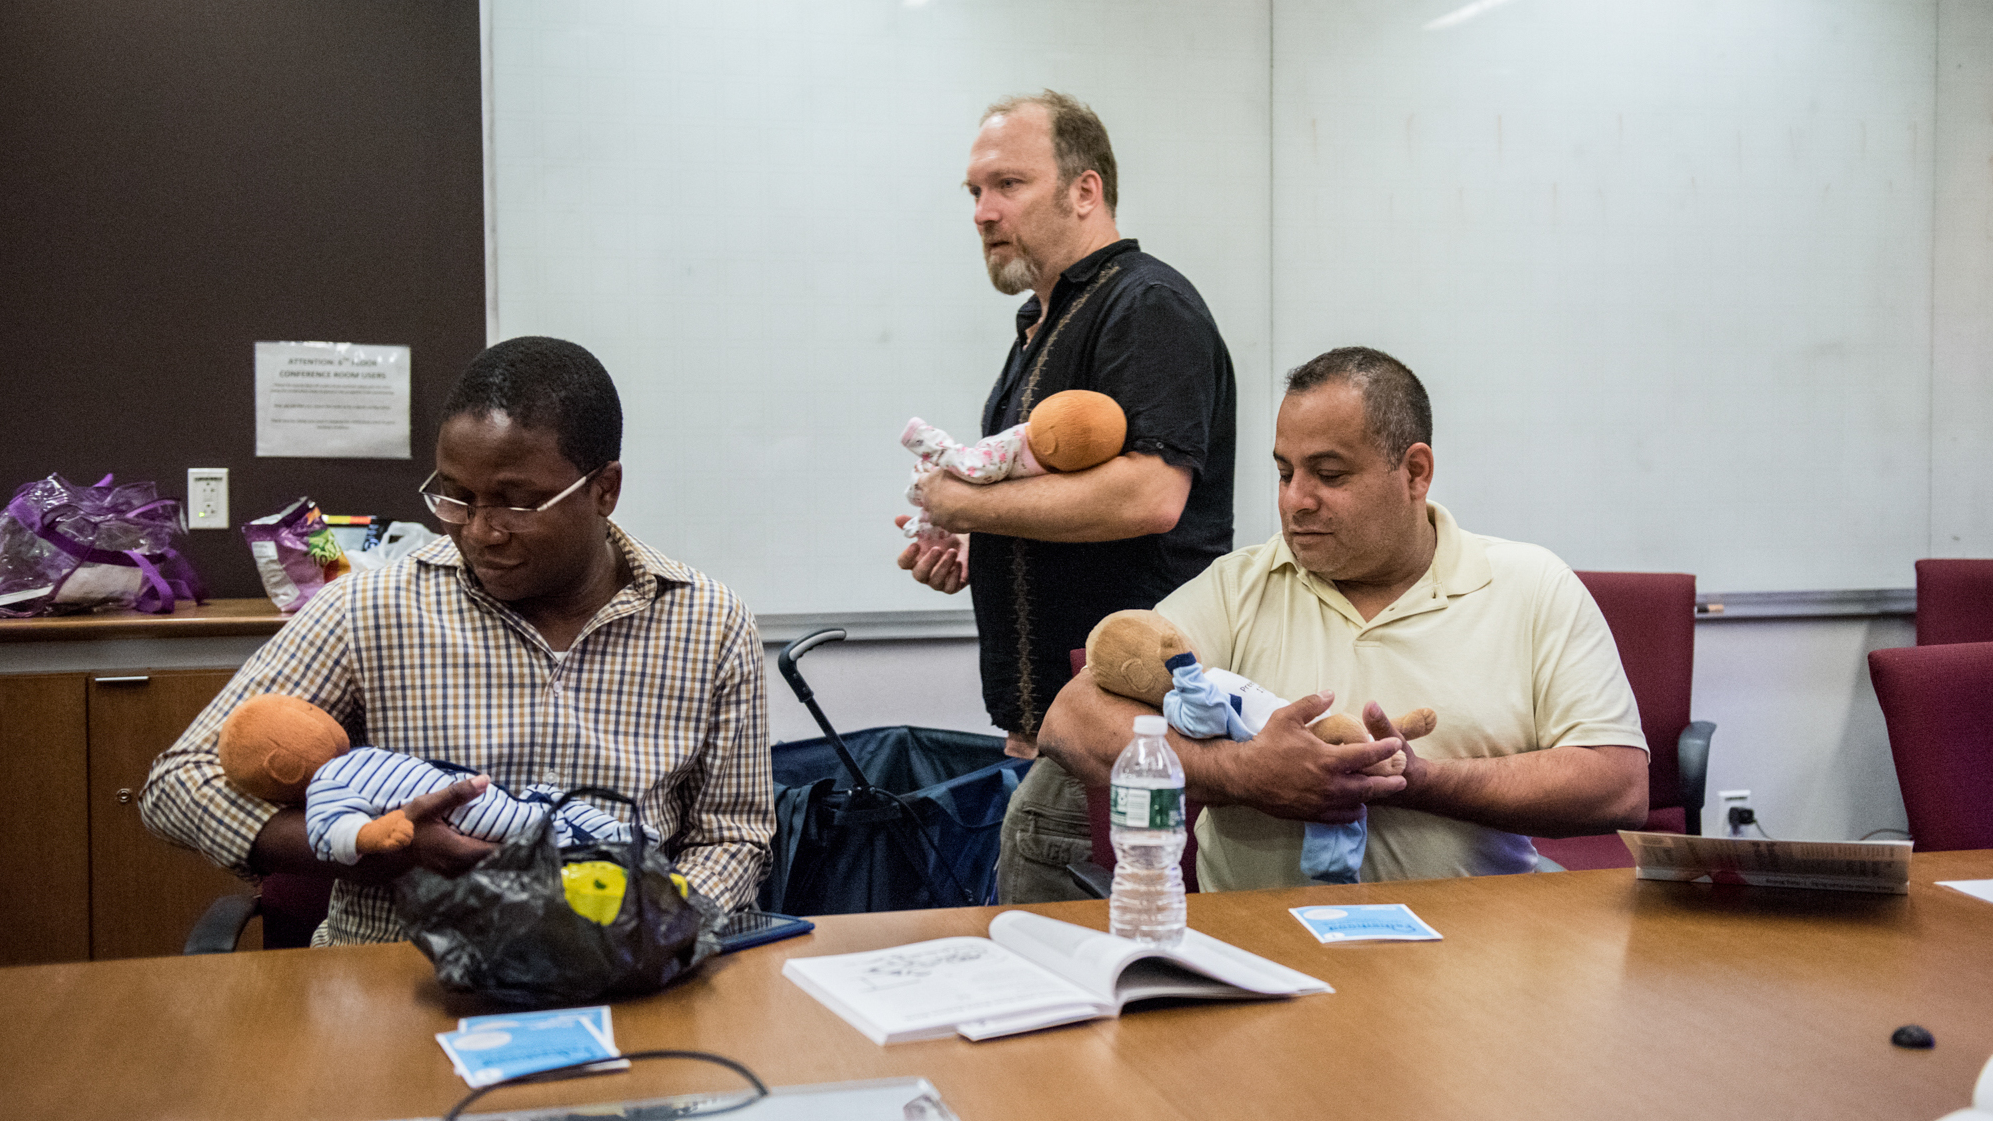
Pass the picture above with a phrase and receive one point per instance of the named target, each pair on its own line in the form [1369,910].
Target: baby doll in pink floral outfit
[1069,431]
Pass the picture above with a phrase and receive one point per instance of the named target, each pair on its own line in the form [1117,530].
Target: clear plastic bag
[65,547]
[295,554]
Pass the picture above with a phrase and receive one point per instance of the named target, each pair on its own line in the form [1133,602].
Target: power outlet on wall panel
[1737,812]
[207,498]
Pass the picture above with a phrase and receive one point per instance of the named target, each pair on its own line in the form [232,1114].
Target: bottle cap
[1151,726]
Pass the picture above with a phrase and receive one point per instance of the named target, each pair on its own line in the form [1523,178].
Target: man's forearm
[1128,496]
[1561,792]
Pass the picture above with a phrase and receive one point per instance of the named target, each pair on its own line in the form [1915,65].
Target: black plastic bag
[505,929]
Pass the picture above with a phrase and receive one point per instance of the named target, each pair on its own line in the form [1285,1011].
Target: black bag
[831,858]
[505,930]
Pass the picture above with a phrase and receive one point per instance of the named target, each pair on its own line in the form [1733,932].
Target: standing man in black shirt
[1046,557]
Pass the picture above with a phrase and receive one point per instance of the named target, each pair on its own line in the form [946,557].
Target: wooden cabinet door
[45,830]
[145,894]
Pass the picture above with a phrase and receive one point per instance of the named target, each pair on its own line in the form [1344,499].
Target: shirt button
[550,778]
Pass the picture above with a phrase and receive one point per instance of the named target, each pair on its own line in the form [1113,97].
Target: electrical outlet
[1737,811]
[207,498]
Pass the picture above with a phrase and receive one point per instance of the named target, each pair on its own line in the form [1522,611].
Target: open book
[1031,972]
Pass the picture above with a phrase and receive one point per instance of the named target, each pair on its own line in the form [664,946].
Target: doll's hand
[390,832]
[945,568]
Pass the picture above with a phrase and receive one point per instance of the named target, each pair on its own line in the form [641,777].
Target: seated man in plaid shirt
[539,644]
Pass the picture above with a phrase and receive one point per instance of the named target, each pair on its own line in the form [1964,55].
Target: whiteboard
[1664,266]
[753,213]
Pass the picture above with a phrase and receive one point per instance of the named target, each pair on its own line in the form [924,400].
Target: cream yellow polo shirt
[1498,637]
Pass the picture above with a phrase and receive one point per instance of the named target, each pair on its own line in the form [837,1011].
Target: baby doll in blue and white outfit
[1140,655]
[289,751]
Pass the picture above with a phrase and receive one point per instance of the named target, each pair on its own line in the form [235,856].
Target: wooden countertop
[217,618]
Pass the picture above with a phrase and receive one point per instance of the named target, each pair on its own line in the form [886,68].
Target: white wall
[1796,719]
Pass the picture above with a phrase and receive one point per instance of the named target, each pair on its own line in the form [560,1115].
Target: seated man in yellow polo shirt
[1373,594]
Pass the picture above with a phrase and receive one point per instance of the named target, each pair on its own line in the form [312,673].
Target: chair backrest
[1652,616]
[1938,704]
[1954,601]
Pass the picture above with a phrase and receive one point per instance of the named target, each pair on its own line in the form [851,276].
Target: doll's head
[272,744]
[1077,429]
[1125,654]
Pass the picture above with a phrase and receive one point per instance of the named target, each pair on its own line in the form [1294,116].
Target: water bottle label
[1146,807]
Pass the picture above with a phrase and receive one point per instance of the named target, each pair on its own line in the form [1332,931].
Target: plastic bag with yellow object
[522,928]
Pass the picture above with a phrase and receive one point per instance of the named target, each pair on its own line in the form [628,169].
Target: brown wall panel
[183,180]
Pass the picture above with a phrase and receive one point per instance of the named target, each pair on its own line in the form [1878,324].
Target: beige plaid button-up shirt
[661,696]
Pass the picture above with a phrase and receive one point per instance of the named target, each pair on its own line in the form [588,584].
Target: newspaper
[1873,866]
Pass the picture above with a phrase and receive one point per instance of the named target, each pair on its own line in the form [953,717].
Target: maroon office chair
[1938,704]
[1954,601]
[1094,876]
[1652,616]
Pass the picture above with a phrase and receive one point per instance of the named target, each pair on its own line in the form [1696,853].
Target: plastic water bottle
[1147,829]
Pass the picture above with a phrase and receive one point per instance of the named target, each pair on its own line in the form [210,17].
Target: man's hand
[437,845]
[1286,771]
[945,568]
[944,497]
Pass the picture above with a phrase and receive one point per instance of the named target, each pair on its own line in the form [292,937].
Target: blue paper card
[597,1015]
[1361,922]
[493,1048]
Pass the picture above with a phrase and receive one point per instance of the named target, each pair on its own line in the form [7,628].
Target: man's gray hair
[1079,140]
[1395,407]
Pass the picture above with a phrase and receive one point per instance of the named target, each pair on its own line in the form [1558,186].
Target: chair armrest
[221,926]
[1091,878]
[1692,764]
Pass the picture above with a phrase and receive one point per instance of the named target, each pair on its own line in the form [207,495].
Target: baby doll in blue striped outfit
[287,750]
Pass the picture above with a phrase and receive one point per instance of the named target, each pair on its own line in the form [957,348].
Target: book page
[1103,963]
[1086,957]
[928,988]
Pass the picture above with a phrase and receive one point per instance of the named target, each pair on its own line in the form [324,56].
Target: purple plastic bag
[68,548]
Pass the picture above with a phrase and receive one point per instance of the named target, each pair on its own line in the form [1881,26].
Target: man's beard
[1019,274]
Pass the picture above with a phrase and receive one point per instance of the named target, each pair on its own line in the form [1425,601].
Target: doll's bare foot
[1392,766]
[391,832]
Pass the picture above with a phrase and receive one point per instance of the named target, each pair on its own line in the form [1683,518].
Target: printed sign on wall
[341,400]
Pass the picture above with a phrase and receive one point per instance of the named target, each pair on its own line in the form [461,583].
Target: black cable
[1873,832]
[558,1073]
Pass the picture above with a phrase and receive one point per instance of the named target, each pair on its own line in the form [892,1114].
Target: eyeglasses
[507,519]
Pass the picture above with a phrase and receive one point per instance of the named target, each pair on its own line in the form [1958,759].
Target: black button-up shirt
[1129,326]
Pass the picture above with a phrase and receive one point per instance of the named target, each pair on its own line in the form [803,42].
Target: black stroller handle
[786,661]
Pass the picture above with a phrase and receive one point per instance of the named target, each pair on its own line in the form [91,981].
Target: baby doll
[1141,655]
[289,751]
[1069,431]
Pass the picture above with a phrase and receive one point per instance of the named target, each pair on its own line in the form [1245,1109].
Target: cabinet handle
[140,679]
[124,796]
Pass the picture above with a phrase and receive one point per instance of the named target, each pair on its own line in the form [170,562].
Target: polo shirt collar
[1459,566]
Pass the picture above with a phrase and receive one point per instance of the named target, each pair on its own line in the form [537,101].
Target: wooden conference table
[1578,994]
